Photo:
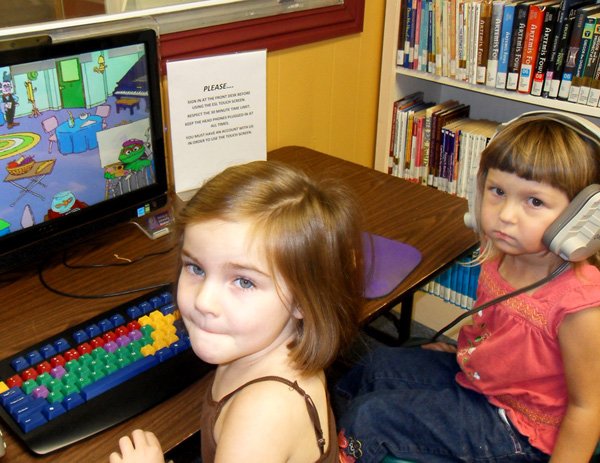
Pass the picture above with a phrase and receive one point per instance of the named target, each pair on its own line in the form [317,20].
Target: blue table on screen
[79,138]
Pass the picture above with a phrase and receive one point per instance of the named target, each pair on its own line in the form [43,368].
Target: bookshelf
[486,102]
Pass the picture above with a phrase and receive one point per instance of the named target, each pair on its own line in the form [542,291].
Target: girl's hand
[145,448]
[440,346]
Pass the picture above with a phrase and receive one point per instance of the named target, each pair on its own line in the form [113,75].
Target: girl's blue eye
[244,283]
[195,269]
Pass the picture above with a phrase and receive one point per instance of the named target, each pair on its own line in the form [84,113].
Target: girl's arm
[579,337]
[144,448]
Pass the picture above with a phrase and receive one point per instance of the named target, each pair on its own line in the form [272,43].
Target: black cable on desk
[45,284]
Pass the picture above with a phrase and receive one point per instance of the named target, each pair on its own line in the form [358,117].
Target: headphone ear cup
[575,234]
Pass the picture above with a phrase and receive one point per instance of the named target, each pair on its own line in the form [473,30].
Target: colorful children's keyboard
[97,374]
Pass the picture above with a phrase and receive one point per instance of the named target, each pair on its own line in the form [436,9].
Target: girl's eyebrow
[247,267]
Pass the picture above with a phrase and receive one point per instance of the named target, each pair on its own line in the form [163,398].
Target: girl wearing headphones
[523,383]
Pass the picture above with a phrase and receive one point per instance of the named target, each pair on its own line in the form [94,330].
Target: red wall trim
[273,32]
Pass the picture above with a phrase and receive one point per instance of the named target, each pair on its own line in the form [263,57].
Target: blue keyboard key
[117,320]
[27,408]
[9,396]
[48,351]
[80,337]
[118,377]
[72,401]
[34,357]
[54,410]
[32,421]
[19,364]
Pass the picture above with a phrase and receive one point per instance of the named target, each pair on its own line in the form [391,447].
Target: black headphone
[575,234]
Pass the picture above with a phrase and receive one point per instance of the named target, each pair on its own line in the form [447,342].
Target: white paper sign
[217,110]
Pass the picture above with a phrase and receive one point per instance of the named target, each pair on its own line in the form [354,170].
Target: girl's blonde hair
[542,149]
[311,234]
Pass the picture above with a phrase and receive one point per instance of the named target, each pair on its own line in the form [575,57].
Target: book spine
[571,55]
[516,46]
[445,39]
[423,50]
[473,41]
[539,74]
[407,34]
[505,41]
[452,32]
[590,66]
[594,96]
[430,38]
[392,159]
[461,38]
[582,58]
[559,62]
[438,37]
[494,50]
[561,20]
[483,41]
[533,32]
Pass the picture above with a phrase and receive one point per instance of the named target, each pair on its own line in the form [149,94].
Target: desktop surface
[429,220]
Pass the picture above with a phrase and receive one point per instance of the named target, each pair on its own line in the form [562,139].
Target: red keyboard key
[84,348]
[97,342]
[57,360]
[43,367]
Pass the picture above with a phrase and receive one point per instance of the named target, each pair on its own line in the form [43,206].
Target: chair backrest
[103,110]
[50,124]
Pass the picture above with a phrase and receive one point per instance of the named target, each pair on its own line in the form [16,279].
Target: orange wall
[324,95]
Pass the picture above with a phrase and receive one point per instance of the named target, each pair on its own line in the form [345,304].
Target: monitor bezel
[34,244]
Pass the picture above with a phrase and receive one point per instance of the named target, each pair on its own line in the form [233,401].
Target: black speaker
[575,234]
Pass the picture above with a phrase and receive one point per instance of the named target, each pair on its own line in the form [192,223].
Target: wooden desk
[427,219]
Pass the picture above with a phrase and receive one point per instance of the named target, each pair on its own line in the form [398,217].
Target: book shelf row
[437,144]
[458,284]
[546,48]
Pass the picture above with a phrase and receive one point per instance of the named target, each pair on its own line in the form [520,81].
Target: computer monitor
[81,140]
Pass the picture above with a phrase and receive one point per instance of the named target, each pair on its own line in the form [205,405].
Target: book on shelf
[590,66]
[450,158]
[594,96]
[483,40]
[407,32]
[424,35]
[494,48]
[427,137]
[461,40]
[508,16]
[533,33]
[548,28]
[417,36]
[398,142]
[438,11]
[401,35]
[560,42]
[436,153]
[451,11]
[517,42]
[579,42]
[473,16]
[587,40]
[416,145]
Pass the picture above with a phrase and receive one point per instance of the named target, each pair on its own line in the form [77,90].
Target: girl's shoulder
[270,415]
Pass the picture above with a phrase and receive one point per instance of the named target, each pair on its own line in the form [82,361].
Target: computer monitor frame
[81,141]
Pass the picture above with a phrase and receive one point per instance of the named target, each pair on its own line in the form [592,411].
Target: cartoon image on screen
[74,131]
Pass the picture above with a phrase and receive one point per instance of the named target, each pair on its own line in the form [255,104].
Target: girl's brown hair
[311,233]
[544,150]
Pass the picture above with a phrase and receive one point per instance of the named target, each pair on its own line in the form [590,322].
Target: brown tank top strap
[310,405]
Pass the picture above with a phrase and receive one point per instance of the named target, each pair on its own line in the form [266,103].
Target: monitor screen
[81,140]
